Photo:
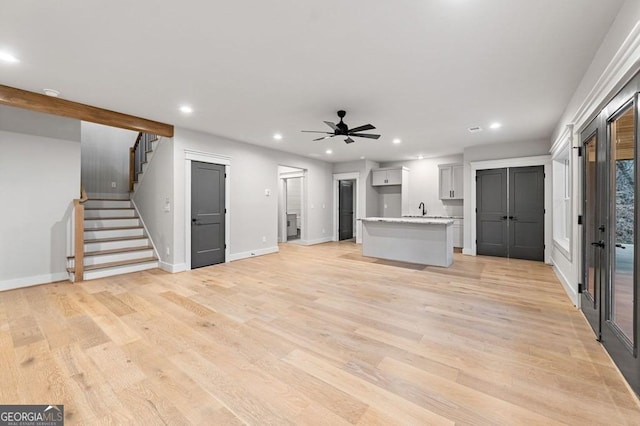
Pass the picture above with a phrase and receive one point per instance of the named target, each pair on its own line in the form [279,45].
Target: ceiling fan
[341,129]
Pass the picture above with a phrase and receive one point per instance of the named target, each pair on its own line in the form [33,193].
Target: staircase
[115,241]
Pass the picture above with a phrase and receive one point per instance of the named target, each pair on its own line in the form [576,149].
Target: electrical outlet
[323,230]
[264,239]
[168,251]
[113,185]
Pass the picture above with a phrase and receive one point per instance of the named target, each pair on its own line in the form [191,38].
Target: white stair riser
[117,257]
[109,213]
[107,204]
[111,245]
[110,223]
[117,233]
[119,270]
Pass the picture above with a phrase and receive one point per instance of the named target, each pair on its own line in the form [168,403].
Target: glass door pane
[590,212]
[621,300]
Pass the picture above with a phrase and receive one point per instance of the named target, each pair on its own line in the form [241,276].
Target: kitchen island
[421,240]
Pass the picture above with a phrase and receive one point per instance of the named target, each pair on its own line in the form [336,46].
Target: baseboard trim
[468,252]
[260,252]
[568,288]
[317,241]
[32,281]
[172,268]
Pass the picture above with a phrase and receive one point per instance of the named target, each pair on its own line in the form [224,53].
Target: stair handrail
[138,156]
[78,235]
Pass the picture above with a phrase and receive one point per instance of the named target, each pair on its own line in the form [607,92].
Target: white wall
[105,159]
[39,178]
[152,192]
[616,61]
[424,184]
[253,215]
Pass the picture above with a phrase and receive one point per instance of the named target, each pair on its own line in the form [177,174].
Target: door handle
[621,246]
[598,244]
[195,221]
[505,217]
[513,218]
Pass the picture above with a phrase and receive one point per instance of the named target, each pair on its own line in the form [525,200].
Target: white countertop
[418,220]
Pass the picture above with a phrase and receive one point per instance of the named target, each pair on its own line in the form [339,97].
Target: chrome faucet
[424,210]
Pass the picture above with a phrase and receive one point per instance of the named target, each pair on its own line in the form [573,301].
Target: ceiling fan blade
[362,128]
[315,131]
[364,135]
[349,140]
[330,124]
[326,137]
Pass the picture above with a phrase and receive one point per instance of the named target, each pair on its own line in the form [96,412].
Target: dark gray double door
[510,212]
[207,214]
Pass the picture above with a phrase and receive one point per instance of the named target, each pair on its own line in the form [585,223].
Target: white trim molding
[622,67]
[540,160]
[206,157]
[253,253]
[172,268]
[34,280]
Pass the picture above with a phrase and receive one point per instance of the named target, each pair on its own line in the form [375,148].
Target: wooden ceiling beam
[41,103]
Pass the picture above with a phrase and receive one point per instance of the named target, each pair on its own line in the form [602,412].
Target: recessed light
[8,57]
[328,151]
[420,157]
[396,141]
[495,126]
[362,158]
[51,92]
[277,136]
[186,109]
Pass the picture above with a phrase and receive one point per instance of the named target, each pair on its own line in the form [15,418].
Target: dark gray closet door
[207,214]
[526,213]
[345,210]
[491,217]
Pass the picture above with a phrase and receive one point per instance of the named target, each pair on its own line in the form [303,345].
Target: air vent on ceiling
[475,129]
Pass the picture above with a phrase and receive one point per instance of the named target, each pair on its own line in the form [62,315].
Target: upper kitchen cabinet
[451,179]
[389,176]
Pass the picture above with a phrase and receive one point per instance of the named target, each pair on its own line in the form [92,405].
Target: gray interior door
[345,209]
[510,212]
[207,214]
[526,213]
[492,215]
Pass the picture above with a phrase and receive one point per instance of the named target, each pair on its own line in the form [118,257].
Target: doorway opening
[291,221]
[346,210]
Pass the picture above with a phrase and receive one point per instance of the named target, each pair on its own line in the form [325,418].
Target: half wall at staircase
[39,178]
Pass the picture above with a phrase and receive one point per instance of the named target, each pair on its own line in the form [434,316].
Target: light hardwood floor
[312,335]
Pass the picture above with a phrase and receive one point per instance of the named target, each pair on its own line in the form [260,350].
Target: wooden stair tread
[115,264]
[109,199]
[113,228]
[108,240]
[116,251]
[108,208]
[112,218]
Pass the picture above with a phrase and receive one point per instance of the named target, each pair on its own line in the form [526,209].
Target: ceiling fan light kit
[341,129]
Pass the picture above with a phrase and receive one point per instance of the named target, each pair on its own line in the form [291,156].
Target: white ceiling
[420,70]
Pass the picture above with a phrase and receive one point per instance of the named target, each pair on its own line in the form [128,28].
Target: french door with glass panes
[609,296]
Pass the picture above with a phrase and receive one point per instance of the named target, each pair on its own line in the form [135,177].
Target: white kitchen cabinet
[390,176]
[451,181]
[458,233]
